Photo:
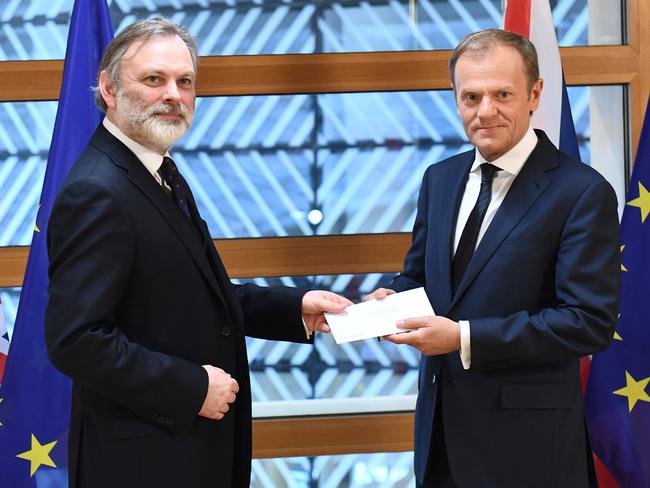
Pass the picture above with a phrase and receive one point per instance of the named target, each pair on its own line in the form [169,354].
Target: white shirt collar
[513,160]
[151,159]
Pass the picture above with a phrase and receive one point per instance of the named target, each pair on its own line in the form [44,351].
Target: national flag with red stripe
[533,20]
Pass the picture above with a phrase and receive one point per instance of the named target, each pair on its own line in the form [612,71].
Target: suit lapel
[453,185]
[529,184]
[180,224]
[214,260]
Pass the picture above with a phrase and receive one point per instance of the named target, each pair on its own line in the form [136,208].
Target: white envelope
[376,318]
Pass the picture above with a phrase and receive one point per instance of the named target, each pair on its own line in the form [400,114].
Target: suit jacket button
[226,330]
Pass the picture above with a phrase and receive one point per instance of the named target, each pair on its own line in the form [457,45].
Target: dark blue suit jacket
[540,292]
[139,300]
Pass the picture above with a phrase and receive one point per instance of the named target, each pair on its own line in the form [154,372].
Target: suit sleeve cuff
[465,345]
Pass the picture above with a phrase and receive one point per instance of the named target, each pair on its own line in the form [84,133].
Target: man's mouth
[174,118]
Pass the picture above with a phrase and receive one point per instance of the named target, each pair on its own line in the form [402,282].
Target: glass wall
[37,29]
[282,371]
[356,158]
[306,165]
[259,165]
[381,470]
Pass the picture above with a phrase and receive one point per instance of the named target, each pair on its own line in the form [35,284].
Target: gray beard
[141,125]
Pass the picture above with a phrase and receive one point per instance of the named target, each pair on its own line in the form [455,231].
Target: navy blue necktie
[468,238]
[173,178]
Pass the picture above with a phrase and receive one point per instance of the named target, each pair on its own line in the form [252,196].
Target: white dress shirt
[150,159]
[509,166]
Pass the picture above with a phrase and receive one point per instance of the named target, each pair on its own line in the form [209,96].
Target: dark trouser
[438,473]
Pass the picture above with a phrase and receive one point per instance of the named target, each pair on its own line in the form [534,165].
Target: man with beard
[142,314]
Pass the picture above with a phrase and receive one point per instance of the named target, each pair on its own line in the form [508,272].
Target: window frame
[627,64]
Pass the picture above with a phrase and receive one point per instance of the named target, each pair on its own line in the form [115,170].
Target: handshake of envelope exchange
[377,318]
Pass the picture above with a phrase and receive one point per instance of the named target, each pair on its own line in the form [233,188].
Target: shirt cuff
[465,346]
[307,331]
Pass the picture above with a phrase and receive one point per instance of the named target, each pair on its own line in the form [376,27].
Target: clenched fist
[222,391]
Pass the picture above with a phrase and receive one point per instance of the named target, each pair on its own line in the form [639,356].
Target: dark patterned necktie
[468,238]
[173,178]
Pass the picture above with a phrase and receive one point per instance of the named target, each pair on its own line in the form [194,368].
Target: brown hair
[483,41]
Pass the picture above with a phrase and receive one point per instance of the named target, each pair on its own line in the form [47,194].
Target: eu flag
[35,405]
[618,397]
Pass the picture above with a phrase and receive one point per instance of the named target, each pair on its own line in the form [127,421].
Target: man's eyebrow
[462,91]
[496,88]
[145,71]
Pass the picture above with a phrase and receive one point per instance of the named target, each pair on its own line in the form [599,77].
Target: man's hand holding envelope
[429,334]
[401,318]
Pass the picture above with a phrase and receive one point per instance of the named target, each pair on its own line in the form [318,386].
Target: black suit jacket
[138,301]
[541,291]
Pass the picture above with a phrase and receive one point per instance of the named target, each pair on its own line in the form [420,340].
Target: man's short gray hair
[482,41]
[141,30]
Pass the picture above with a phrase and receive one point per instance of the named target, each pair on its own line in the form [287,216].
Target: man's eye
[504,94]
[185,82]
[152,79]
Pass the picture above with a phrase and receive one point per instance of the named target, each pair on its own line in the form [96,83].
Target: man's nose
[487,108]
[172,94]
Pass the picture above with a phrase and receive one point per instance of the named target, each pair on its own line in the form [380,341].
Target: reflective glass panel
[282,371]
[336,164]
[37,29]
[394,470]
[365,179]
[301,164]
[25,133]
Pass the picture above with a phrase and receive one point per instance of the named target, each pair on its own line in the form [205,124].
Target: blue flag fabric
[35,405]
[618,397]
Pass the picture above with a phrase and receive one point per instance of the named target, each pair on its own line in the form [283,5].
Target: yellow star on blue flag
[642,202]
[634,390]
[38,455]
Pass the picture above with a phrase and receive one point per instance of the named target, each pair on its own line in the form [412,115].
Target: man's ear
[535,94]
[108,89]
[453,88]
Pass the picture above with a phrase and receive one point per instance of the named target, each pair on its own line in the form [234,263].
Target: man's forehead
[502,65]
[163,54]
[491,50]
